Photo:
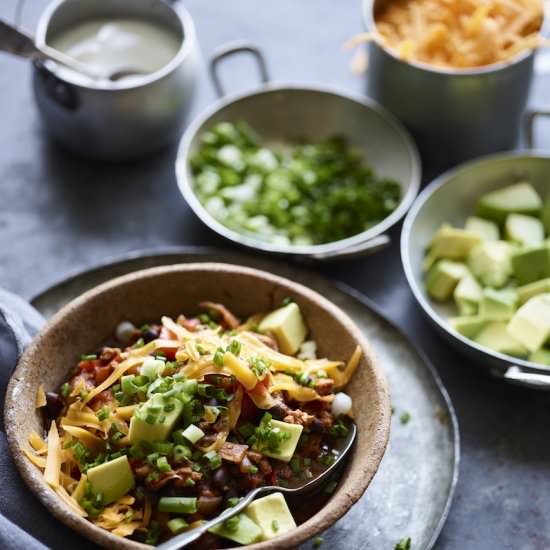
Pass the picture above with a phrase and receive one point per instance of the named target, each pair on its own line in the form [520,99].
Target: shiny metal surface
[290,112]
[116,120]
[454,115]
[412,491]
[452,198]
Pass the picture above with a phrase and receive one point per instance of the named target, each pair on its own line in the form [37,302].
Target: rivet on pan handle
[530,117]
[231,49]
[517,376]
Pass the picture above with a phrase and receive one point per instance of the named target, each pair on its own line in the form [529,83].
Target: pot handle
[356,251]
[530,117]
[517,376]
[231,49]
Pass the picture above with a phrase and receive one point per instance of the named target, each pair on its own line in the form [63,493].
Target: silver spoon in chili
[182,540]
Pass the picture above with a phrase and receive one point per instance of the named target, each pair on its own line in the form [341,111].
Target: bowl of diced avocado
[476,253]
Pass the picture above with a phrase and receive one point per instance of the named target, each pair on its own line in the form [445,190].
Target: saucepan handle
[530,118]
[533,380]
[230,49]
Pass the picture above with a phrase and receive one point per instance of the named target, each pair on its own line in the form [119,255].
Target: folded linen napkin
[24,523]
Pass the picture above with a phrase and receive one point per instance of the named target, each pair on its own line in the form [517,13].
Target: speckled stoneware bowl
[143,296]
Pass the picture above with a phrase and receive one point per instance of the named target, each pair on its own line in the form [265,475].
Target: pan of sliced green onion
[301,170]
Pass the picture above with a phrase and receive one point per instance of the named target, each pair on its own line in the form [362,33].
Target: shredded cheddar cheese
[52,470]
[40,397]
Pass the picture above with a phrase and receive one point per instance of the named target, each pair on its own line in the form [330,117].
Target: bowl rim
[186,188]
[367,15]
[416,286]
[320,521]
[188,43]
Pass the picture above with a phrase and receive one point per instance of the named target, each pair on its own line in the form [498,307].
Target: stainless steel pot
[116,120]
[451,198]
[454,115]
[289,112]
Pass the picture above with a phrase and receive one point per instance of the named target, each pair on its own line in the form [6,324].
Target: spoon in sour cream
[16,42]
[97,51]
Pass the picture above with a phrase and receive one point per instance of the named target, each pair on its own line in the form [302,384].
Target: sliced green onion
[190,387]
[163,447]
[234,347]
[246,429]
[178,505]
[177,525]
[152,458]
[181,452]
[178,437]
[103,413]
[214,459]
[90,357]
[65,389]
[162,464]
[218,357]
[193,433]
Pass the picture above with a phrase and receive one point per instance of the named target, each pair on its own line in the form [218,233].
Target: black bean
[220,477]
[279,411]
[207,505]
[317,427]
[54,405]
[149,335]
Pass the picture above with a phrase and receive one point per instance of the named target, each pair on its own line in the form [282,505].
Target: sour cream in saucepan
[108,46]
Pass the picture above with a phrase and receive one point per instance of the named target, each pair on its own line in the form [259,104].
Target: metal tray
[411,494]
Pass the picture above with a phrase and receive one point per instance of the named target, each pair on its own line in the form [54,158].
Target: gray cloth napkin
[24,523]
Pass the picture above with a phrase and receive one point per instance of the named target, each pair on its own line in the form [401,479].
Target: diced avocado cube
[112,479]
[532,264]
[546,215]
[443,278]
[286,448]
[491,263]
[498,305]
[497,337]
[243,530]
[468,295]
[526,292]
[520,198]
[524,230]
[531,322]
[271,515]
[486,229]
[450,243]
[288,327]
[154,419]
[468,326]
[541,356]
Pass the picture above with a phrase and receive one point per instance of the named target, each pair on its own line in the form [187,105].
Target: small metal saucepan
[451,198]
[454,114]
[286,113]
[121,119]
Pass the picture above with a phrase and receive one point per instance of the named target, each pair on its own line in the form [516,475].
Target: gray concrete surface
[59,213]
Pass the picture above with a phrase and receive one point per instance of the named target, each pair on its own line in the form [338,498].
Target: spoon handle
[14,41]
[180,541]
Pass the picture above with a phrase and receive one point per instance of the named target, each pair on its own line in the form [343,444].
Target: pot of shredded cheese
[457,74]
